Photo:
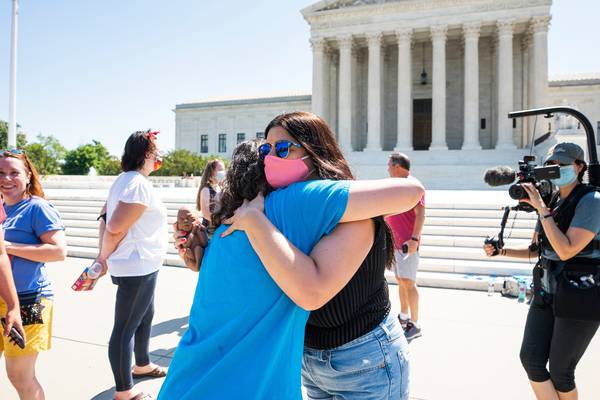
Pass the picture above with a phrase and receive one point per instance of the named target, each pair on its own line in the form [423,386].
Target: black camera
[528,172]
[540,177]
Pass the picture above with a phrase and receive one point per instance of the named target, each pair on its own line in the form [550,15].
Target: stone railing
[104,182]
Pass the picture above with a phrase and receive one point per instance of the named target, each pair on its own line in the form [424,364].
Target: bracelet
[414,239]
[502,252]
[547,216]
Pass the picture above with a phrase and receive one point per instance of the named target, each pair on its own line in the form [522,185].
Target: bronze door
[421,124]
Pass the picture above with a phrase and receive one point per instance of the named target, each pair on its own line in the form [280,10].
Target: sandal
[158,372]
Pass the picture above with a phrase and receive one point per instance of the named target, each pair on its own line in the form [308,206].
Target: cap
[565,153]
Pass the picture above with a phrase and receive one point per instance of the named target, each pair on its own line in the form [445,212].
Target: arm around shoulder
[372,198]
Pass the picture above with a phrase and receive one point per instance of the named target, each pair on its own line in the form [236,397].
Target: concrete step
[478,222]
[476,213]
[92,243]
[91,253]
[459,253]
[464,241]
[479,232]
[498,266]
[91,213]
[454,281]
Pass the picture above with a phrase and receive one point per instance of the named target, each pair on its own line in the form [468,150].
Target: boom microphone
[499,176]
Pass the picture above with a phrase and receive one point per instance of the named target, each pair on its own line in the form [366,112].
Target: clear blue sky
[102,69]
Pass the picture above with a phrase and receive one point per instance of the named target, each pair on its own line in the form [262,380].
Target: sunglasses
[8,152]
[282,148]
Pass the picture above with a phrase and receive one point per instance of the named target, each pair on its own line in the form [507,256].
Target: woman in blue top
[34,235]
[246,335]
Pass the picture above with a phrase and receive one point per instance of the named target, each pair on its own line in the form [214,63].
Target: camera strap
[564,212]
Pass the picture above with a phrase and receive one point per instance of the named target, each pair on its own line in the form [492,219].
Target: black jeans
[559,341]
[134,309]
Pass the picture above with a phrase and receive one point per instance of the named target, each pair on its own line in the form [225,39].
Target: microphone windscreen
[499,176]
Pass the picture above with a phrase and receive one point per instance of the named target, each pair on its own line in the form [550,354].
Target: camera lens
[517,192]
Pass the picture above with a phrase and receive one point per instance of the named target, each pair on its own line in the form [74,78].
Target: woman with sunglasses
[34,235]
[133,240]
[254,335]
[354,347]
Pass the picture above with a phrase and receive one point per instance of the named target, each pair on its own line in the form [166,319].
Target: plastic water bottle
[94,270]
[522,291]
[491,287]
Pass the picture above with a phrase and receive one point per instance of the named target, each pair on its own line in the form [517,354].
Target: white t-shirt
[143,250]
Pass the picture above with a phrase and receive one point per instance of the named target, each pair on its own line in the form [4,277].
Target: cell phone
[14,335]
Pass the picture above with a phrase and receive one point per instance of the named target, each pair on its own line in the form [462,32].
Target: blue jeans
[373,366]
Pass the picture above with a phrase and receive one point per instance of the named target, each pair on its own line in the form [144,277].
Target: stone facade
[215,127]
[414,75]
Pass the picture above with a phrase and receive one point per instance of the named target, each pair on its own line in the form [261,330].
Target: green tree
[21,137]
[79,160]
[46,154]
[110,166]
[181,162]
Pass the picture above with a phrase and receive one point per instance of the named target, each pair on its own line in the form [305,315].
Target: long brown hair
[207,179]
[244,180]
[316,137]
[34,187]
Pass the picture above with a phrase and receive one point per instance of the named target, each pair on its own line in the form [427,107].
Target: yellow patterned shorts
[38,336]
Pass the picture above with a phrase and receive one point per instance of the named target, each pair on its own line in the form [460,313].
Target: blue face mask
[567,176]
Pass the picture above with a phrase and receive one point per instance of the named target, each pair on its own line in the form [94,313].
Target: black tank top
[359,307]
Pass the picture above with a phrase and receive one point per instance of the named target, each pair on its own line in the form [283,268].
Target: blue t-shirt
[587,216]
[25,222]
[246,337]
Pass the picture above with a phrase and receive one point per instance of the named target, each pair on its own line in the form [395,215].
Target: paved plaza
[469,349]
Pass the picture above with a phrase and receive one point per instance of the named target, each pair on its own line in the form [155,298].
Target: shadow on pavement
[108,394]
[178,325]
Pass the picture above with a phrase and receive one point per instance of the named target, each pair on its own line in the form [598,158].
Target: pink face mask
[282,172]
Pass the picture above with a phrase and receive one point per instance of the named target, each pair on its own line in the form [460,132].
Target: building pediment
[330,8]
[338,4]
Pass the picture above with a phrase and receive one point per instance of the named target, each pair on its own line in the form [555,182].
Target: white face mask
[220,175]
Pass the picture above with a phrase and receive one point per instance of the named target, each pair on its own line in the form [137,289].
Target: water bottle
[522,291]
[491,287]
[94,270]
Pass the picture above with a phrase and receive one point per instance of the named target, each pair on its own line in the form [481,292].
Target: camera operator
[566,239]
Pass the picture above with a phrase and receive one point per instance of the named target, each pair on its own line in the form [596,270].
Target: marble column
[404,134]
[525,122]
[539,61]
[471,93]
[345,93]
[438,102]
[318,85]
[505,84]
[374,92]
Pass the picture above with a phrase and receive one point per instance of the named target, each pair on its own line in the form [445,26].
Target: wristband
[414,239]
[547,216]
[502,252]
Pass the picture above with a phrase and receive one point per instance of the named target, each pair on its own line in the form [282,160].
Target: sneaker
[412,331]
[403,322]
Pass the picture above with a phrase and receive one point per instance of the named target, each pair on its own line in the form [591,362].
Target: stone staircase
[451,246]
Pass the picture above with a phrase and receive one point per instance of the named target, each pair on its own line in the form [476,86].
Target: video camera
[528,172]
[539,176]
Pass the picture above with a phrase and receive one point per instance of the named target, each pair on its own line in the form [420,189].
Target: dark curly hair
[245,179]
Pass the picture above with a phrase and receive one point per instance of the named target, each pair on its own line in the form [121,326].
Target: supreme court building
[432,78]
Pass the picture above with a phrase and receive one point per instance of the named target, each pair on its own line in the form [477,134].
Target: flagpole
[12,108]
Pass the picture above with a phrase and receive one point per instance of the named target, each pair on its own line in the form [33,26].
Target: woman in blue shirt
[34,235]
[246,334]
